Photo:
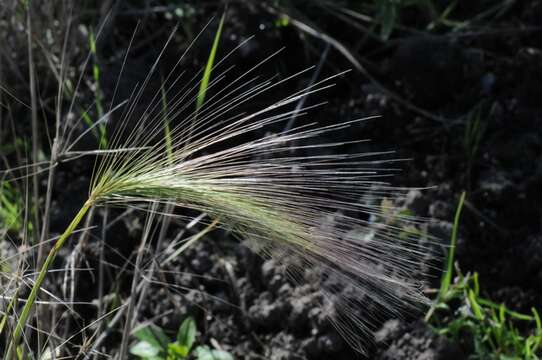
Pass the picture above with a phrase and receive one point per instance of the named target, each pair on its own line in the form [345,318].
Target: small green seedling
[154,344]
[491,329]
[204,84]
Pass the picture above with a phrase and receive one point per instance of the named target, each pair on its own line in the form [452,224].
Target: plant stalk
[135,281]
[23,318]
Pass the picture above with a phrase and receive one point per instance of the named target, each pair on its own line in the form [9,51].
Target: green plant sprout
[204,84]
[100,131]
[214,165]
[490,327]
[155,344]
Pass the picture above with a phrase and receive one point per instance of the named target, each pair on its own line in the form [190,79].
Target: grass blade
[209,67]
[449,269]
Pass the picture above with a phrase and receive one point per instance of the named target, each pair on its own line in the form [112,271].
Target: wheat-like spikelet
[220,161]
[266,193]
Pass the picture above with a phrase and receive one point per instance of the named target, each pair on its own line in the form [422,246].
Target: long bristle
[258,186]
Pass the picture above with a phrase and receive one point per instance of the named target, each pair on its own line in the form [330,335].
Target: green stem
[23,318]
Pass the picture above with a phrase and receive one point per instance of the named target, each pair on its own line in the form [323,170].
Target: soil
[245,302]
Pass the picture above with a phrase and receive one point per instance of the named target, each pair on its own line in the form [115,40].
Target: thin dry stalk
[135,281]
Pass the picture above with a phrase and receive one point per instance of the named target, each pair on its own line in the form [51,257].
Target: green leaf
[145,349]
[187,334]
[20,352]
[209,67]
[92,42]
[177,351]
[474,306]
[154,336]
[205,353]
[537,320]
[447,277]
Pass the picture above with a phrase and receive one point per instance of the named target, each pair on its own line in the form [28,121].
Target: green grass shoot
[209,66]
[449,269]
[492,327]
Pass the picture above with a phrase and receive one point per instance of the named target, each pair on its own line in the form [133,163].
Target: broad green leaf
[177,351]
[154,336]
[145,349]
[187,334]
